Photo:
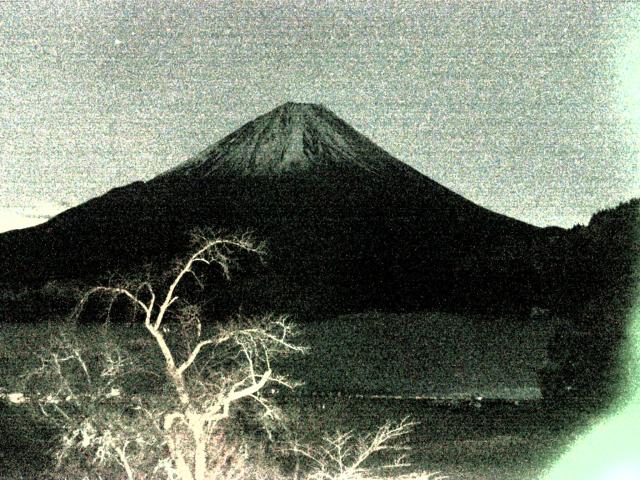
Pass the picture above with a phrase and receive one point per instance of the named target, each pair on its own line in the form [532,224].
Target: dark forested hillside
[592,279]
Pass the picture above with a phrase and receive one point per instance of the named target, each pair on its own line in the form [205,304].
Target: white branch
[251,389]
[122,291]
[192,357]
[198,257]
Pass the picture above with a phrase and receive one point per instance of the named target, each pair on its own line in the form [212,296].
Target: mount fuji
[348,226]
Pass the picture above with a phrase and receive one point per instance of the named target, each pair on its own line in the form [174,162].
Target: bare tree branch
[192,357]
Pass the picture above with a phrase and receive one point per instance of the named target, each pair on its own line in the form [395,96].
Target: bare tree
[345,457]
[208,375]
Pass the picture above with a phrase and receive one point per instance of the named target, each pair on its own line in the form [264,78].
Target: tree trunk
[182,468]
[200,459]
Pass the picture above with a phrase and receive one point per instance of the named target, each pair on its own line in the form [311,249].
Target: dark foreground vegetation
[492,442]
[587,285]
[467,438]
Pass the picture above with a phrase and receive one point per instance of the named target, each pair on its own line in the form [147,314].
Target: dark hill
[348,226]
[592,275]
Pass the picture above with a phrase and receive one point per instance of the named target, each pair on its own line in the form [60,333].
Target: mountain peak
[300,106]
[291,138]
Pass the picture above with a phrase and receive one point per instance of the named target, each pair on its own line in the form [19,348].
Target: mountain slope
[348,226]
[293,138]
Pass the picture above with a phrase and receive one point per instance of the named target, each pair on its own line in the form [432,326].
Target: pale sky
[531,109]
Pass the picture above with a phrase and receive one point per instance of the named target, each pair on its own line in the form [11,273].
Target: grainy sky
[531,109]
